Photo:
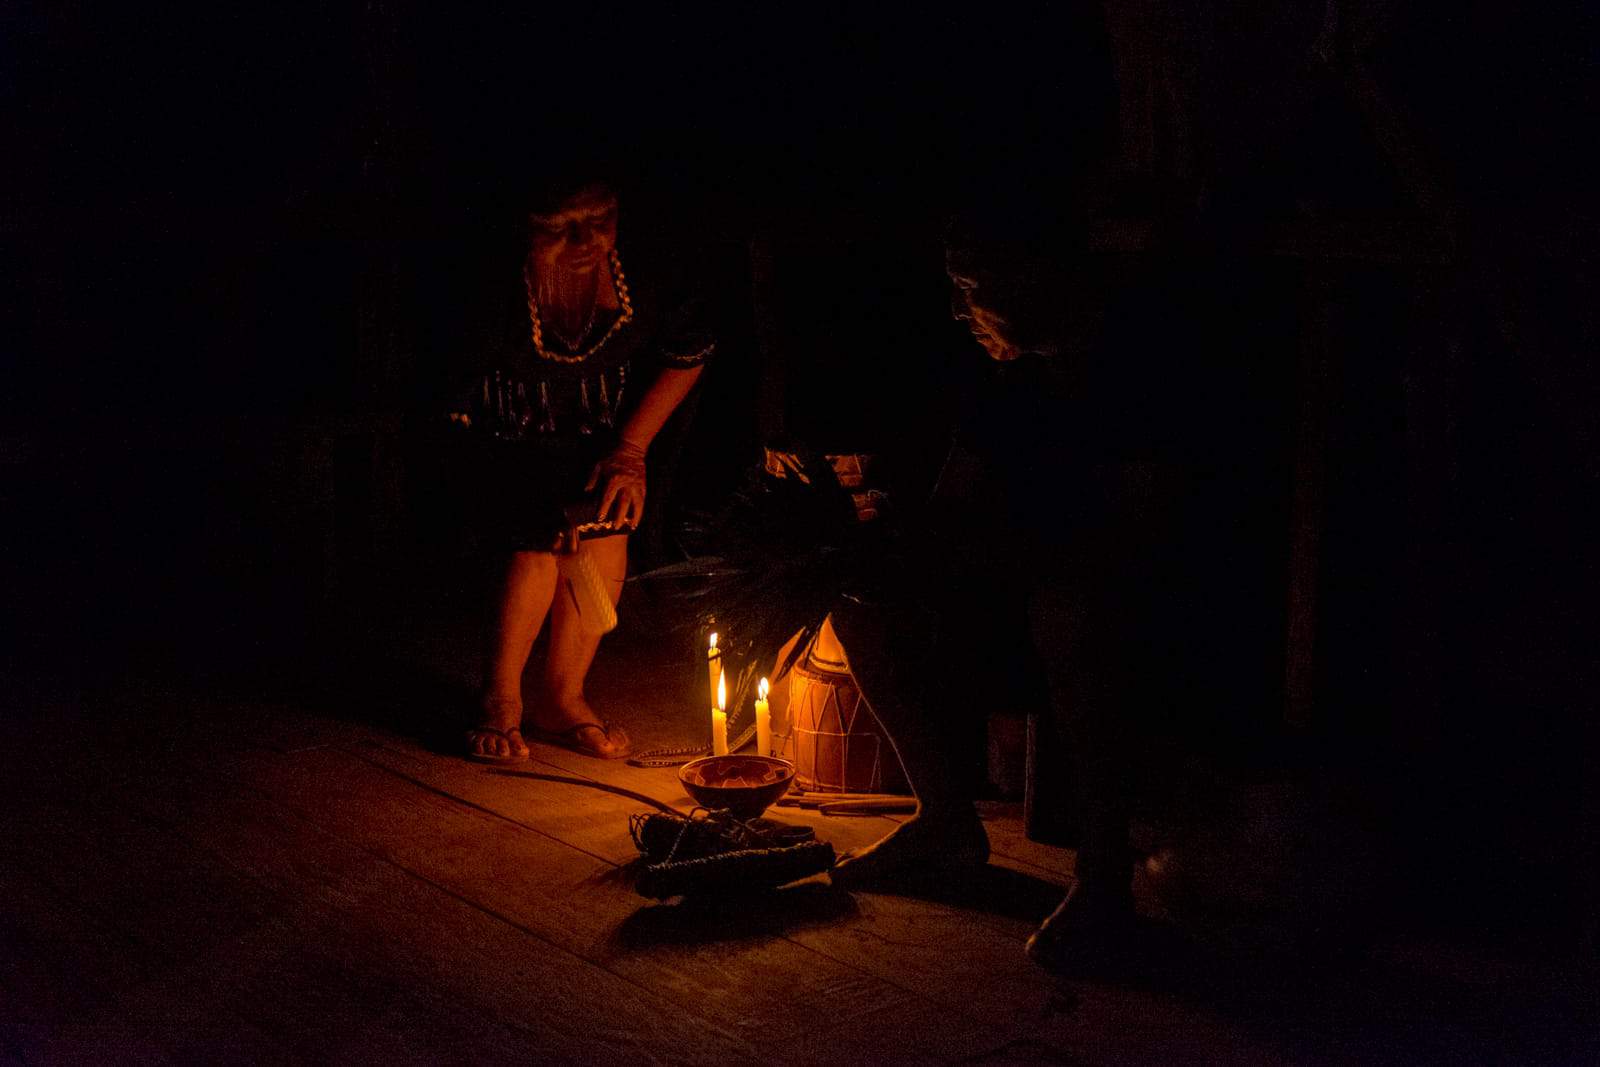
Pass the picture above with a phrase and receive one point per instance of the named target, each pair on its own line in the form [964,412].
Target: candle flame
[761,690]
[722,690]
[713,640]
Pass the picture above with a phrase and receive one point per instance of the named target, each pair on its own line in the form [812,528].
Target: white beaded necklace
[619,283]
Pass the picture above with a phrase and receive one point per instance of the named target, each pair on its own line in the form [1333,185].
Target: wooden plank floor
[196,874]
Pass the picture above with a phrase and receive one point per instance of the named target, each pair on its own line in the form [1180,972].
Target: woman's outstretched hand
[620,477]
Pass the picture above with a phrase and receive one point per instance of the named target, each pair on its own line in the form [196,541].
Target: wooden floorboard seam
[333,837]
[447,891]
[910,990]
[1054,876]
[134,949]
[1048,874]
[513,923]
[474,805]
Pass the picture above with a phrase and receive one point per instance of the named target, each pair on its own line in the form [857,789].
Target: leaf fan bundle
[774,561]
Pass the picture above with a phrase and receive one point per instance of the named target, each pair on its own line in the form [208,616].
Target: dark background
[235,239]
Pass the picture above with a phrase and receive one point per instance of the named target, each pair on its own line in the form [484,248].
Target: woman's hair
[554,181]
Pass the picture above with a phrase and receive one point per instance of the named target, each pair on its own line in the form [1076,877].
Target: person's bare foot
[923,845]
[573,724]
[1088,934]
[497,737]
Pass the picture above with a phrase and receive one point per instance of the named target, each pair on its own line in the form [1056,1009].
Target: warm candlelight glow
[719,717]
[719,732]
[713,667]
[763,721]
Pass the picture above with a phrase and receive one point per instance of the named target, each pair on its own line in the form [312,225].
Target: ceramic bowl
[744,785]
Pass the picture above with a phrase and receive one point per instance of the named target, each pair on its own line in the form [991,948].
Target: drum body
[836,743]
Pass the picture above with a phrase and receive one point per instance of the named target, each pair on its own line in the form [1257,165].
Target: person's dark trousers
[1101,595]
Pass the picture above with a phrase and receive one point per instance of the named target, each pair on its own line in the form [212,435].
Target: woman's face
[579,235]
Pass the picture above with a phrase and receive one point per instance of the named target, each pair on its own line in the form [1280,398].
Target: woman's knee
[531,566]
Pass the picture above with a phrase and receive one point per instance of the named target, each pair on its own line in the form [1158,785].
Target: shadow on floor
[1348,1003]
[989,889]
[706,921]
[426,703]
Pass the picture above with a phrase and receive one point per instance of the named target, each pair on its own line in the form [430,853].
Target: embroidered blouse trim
[691,359]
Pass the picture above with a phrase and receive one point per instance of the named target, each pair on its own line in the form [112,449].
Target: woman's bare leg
[572,651]
[525,596]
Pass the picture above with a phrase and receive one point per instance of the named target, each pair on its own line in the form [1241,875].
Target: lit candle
[719,719]
[713,667]
[763,721]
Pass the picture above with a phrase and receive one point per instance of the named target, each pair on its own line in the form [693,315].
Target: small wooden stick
[883,806]
[816,800]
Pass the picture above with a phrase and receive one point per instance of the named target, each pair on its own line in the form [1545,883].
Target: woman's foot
[498,738]
[923,845]
[574,725]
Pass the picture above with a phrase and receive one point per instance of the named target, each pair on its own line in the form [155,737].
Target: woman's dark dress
[536,426]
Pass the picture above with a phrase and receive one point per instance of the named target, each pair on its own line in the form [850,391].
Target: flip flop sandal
[573,738]
[483,757]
